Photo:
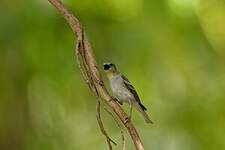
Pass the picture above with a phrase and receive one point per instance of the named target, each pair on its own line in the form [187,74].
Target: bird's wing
[130,88]
[133,91]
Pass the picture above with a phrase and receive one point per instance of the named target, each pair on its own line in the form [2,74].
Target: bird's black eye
[111,64]
[106,66]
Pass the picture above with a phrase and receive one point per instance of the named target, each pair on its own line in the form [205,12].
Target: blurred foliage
[173,51]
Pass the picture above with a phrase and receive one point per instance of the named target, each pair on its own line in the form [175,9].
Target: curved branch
[91,72]
[121,130]
[98,116]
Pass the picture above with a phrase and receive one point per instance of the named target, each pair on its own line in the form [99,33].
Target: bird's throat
[111,74]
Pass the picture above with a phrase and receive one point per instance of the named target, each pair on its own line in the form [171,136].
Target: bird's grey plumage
[125,92]
[119,89]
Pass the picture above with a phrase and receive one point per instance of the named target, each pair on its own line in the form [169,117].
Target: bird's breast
[119,89]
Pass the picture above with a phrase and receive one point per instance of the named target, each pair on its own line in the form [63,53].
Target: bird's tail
[142,111]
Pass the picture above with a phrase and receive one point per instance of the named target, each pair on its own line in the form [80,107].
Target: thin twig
[91,72]
[121,129]
[98,116]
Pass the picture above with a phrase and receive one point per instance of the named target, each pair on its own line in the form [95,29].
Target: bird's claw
[127,119]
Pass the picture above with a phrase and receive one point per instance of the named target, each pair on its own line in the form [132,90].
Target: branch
[98,116]
[90,71]
[121,130]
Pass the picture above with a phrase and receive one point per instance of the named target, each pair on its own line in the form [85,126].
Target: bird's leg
[130,111]
[121,103]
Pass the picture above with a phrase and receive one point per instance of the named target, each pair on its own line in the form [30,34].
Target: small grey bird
[123,91]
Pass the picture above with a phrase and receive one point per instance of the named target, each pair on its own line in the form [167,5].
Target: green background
[173,51]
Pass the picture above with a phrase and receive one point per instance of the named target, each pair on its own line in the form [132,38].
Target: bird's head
[110,68]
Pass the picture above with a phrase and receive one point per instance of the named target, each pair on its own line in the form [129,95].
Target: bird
[123,91]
